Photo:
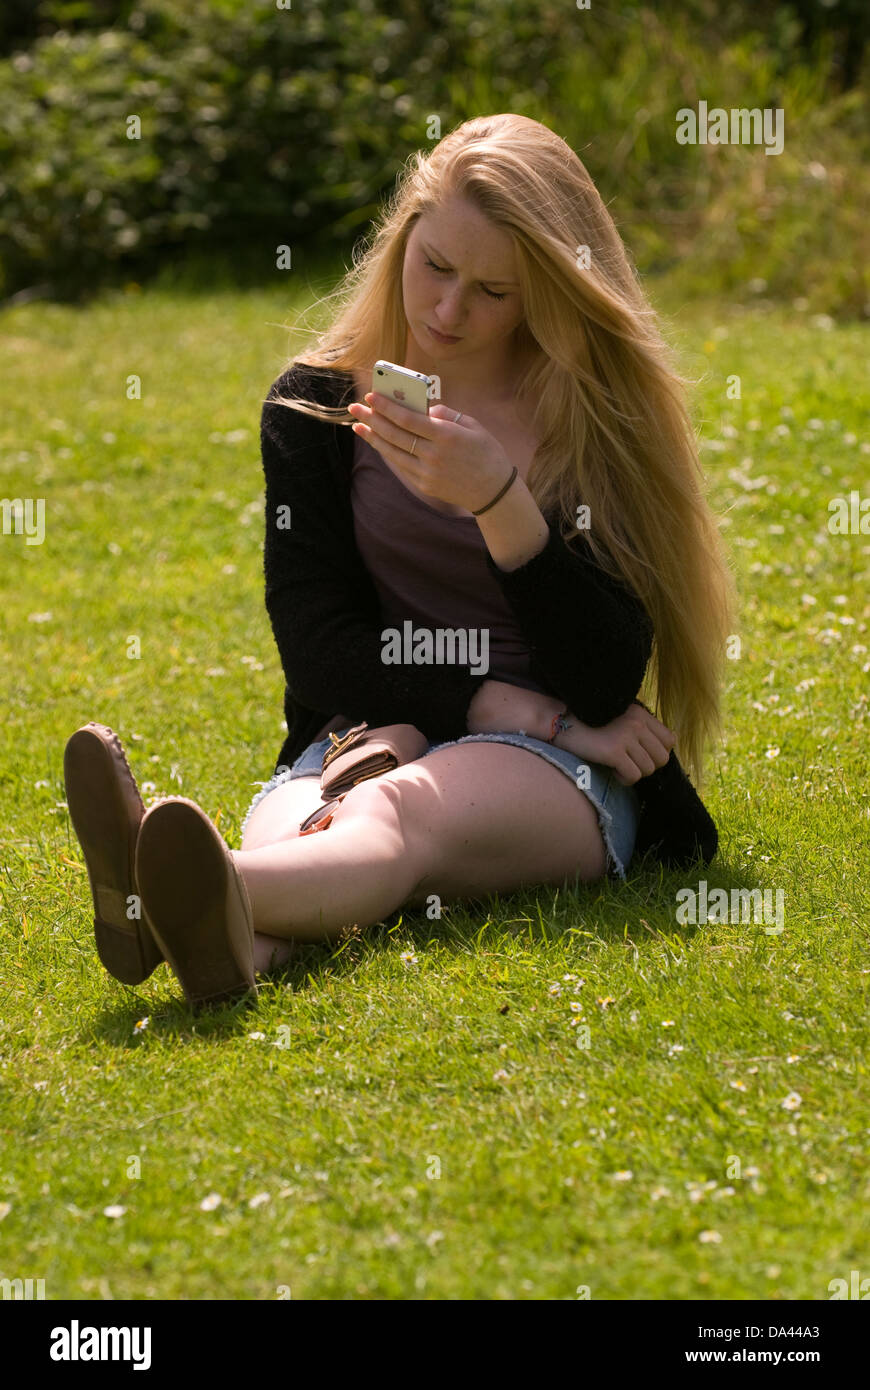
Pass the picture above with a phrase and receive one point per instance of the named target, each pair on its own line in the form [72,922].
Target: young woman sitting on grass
[553,498]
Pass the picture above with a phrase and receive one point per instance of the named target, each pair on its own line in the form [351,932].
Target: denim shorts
[617,806]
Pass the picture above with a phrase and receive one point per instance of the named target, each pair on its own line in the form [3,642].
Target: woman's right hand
[634,744]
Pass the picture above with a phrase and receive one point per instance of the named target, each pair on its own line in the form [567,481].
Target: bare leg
[461,822]
[280,814]
[278,817]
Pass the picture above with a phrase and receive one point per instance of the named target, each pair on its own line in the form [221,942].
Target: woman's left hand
[461,464]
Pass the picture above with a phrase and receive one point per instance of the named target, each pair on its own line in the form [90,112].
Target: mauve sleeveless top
[429,567]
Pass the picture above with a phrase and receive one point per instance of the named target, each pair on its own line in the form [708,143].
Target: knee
[393,812]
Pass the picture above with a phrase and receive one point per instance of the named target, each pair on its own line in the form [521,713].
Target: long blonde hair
[608,405]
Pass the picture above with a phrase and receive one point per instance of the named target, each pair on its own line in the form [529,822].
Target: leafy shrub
[262,127]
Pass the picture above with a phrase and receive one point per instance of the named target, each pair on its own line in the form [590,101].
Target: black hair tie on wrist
[498,495]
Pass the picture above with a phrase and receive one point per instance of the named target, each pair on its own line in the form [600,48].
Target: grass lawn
[390,1125]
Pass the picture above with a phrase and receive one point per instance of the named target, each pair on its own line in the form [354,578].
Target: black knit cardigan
[589,637]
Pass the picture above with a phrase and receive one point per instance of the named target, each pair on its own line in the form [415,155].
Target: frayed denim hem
[276,780]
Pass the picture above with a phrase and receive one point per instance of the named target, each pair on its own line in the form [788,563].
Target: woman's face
[459,279]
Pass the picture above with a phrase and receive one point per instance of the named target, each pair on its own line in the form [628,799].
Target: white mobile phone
[400,384]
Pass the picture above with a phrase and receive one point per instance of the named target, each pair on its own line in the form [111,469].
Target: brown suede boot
[195,902]
[106,811]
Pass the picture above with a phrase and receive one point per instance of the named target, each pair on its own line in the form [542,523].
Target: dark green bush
[263,127]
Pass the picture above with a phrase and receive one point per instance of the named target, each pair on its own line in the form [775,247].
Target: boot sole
[195,902]
[106,811]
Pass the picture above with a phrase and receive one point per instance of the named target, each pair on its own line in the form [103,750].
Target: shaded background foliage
[263,127]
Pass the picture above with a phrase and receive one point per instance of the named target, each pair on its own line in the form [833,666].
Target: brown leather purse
[362,753]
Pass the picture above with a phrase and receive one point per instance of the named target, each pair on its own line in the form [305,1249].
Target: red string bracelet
[558,724]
